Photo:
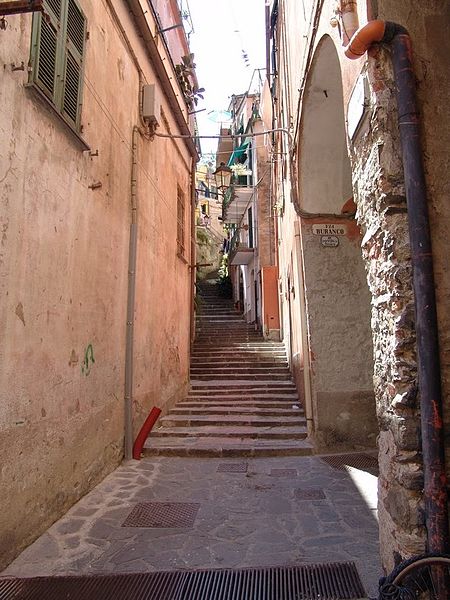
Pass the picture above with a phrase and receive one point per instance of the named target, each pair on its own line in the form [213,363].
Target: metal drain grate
[364,462]
[162,514]
[309,494]
[232,467]
[333,581]
[283,473]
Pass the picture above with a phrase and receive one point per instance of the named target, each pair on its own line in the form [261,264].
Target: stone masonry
[380,196]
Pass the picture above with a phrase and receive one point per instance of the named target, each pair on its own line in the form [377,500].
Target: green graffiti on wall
[88,361]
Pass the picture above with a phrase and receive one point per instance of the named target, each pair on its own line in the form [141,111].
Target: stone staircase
[242,400]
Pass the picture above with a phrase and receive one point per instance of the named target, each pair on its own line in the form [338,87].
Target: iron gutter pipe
[132,262]
[433,449]
[15,7]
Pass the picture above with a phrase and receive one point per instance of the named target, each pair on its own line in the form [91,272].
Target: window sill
[49,105]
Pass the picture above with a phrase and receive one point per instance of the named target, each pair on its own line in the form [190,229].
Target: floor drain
[232,467]
[334,581]
[309,494]
[162,514]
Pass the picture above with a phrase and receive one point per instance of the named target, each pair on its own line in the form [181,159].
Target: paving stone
[244,520]
[84,512]
[70,526]
[72,542]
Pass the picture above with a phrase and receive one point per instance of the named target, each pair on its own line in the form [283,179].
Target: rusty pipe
[429,374]
[15,7]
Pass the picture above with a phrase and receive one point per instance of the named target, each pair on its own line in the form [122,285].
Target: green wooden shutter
[73,62]
[45,48]
[58,45]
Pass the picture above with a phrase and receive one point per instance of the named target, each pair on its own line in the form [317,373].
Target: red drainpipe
[435,480]
[145,430]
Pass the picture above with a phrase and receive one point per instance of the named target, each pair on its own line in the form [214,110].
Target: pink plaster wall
[64,271]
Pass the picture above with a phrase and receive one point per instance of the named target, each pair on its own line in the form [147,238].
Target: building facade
[345,269]
[248,212]
[98,239]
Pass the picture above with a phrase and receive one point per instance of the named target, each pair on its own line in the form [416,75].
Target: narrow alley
[225,314]
[185,505]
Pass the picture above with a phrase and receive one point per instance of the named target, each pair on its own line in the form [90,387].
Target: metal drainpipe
[309,409]
[433,449]
[131,302]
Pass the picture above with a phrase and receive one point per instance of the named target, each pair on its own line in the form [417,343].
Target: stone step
[247,359]
[243,377]
[239,372]
[227,336]
[258,345]
[234,394]
[225,447]
[242,409]
[251,386]
[230,364]
[239,420]
[254,433]
[199,352]
[223,316]
[238,401]
[238,368]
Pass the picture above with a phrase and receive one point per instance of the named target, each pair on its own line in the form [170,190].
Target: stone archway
[337,298]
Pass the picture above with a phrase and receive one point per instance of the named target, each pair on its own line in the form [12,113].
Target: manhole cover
[232,467]
[309,494]
[363,462]
[283,473]
[333,581]
[162,514]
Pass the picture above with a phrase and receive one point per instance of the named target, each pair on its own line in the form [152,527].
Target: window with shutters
[180,222]
[57,56]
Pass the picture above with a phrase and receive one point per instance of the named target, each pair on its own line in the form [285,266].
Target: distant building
[248,214]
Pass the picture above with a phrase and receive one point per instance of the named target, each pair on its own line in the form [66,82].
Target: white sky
[223,29]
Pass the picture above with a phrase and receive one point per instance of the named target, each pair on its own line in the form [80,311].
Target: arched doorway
[338,377]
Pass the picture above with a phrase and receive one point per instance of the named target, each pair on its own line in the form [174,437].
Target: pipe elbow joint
[372,32]
[361,41]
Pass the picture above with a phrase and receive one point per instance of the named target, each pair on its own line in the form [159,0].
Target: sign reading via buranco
[329,229]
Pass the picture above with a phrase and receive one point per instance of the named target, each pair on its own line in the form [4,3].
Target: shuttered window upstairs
[57,56]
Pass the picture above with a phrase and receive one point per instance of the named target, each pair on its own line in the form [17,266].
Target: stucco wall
[338,306]
[63,276]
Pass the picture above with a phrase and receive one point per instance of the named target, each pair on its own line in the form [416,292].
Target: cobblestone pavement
[281,511]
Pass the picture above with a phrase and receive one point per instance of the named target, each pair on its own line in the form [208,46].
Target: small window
[180,222]
[57,56]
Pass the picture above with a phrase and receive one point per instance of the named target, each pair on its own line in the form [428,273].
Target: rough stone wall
[378,182]
[428,24]
[379,194]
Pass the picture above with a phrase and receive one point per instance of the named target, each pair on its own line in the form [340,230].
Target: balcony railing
[240,253]
[235,202]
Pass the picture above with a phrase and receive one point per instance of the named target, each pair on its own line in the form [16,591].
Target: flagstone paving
[279,511]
